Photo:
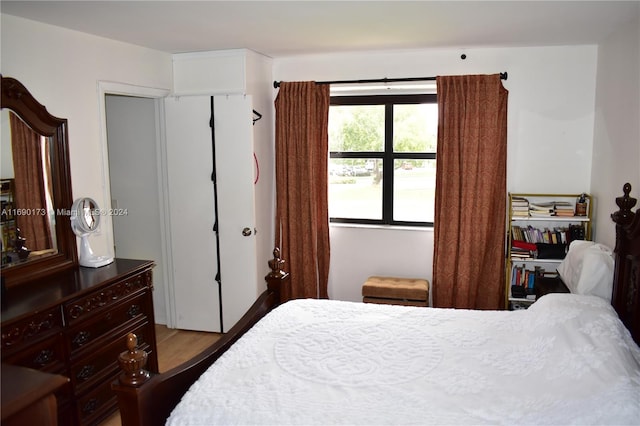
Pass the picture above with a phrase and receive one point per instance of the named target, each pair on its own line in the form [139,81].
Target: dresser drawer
[84,333]
[103,359]
[104,299]
[47,355]
[98,403]
[18,334]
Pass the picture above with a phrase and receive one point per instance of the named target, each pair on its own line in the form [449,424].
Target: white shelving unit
[538,233]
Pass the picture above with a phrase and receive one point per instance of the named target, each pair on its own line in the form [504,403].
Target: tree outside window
[382,159]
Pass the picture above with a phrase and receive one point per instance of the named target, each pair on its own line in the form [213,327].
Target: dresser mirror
[37,239]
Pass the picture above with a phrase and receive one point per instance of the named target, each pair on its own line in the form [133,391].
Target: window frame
[388,156]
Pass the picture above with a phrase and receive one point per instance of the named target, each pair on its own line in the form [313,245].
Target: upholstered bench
[396,291]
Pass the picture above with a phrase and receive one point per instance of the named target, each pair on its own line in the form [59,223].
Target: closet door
[235,170]
[189,152]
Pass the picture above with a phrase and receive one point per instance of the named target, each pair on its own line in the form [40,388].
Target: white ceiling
[283,28]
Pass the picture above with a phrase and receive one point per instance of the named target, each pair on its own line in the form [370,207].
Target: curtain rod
[276,84]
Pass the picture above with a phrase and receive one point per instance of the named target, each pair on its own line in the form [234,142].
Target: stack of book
[542,209]
[564,208]
[522,250]
[519,207]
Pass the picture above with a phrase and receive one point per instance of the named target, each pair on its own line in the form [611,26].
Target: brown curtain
[470,212]
[30,197]
[302,218]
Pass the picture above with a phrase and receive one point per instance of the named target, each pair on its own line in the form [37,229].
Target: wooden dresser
[75,324]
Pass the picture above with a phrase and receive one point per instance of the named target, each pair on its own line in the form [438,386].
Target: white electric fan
[85,218]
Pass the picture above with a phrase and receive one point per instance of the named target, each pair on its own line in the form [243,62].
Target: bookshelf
[539,230]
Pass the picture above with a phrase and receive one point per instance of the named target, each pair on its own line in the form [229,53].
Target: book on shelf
[523,280]
[518,256]
[565,212]
[519,207]
[551,208]
[519,233]
[523,245]
[522,250]
[557,235]
[539,213]
[519,201]
[542,206]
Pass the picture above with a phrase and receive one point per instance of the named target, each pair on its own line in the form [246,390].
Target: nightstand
[28,396]
[545,285]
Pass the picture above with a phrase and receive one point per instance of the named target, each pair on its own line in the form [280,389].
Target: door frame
[113,88]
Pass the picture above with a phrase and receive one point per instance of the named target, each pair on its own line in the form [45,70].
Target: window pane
[414,190]
[415,128]
[356,128]
[355,188]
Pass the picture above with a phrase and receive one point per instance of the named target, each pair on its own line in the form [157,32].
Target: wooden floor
[174,347]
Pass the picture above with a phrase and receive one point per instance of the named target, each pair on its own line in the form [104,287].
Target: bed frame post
[278,280]
[147,399]
[626,277]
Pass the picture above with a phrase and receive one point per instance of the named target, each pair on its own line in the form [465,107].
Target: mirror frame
[17,98]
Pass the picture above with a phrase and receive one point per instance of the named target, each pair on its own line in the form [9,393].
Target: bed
[568,359]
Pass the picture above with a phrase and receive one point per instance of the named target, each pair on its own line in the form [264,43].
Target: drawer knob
[90,406]
[81,338]
[44,357]
[75,311]
[11,337]
[134,310]
[86,372]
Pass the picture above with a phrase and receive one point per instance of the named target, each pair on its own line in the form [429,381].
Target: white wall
[359,252]
[259,82]
[616,149]
[62,68]
[550,136]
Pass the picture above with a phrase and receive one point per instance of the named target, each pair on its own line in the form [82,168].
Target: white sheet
[565,360]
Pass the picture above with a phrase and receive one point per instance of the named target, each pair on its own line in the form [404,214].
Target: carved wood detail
[31,328]
[108,297]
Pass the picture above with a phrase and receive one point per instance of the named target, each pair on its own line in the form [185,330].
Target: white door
[236,204]
[189,156]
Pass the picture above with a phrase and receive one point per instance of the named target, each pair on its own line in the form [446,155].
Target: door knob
[246,232]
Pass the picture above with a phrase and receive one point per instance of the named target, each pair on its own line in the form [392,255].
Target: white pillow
[588,269]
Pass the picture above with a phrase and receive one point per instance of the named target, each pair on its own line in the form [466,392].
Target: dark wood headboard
[626,278]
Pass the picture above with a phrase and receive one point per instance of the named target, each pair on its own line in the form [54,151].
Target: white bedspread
[565,360]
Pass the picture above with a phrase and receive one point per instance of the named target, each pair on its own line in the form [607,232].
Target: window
[382,165]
